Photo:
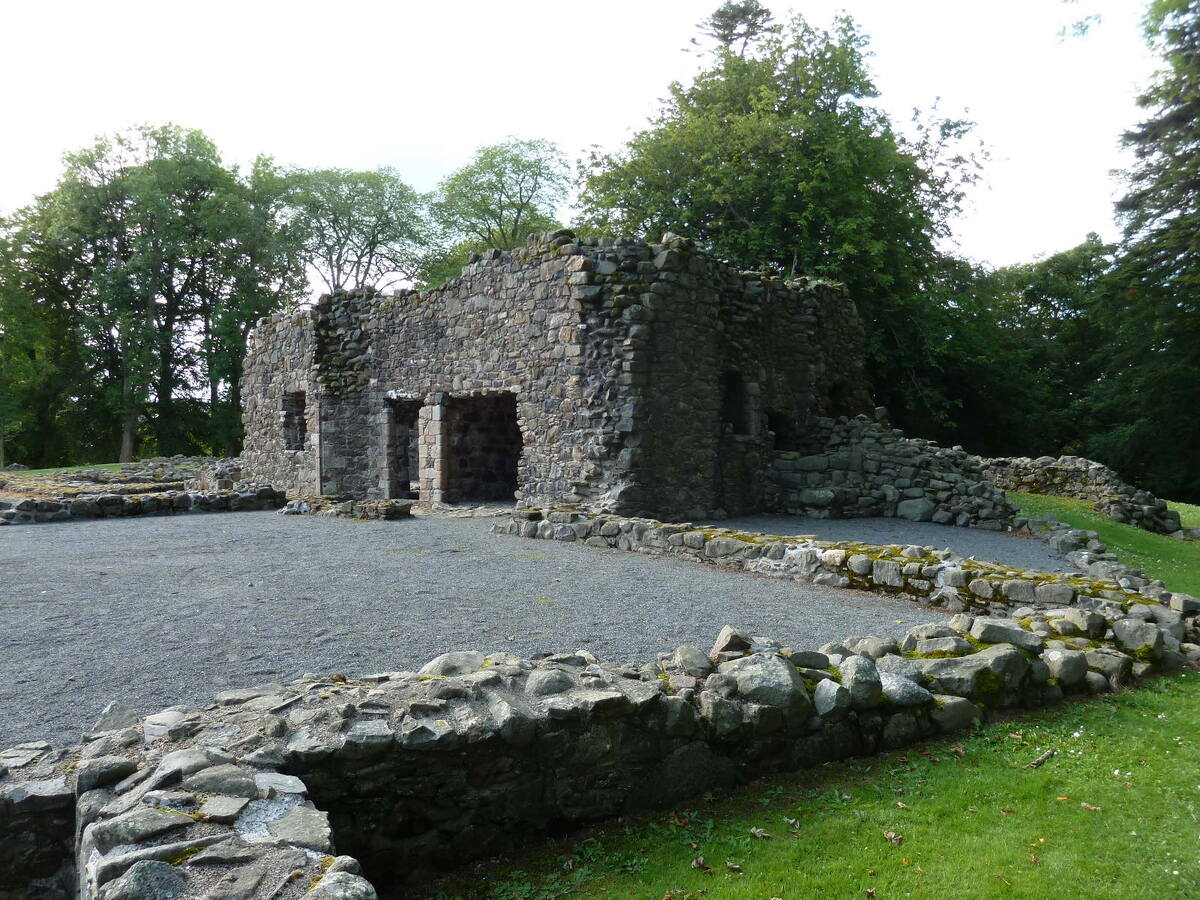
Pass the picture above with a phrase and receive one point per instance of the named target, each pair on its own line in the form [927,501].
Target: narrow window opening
[295,425]
[735,403]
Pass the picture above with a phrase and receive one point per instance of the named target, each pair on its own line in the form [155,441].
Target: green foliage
[358,229]
[738,22]
[1176,562]
[134,284]
[776,158]
[1147,399]
[967,816]
[505,192]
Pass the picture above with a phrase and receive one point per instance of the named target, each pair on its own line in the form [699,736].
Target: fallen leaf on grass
[893,837]
[760,834]
[733,867]
[1033,858]
[698,863]
[870,892]
[972,809]
[902,804]
[792,823]
[1089,807]
[1063,797]
[1006,811]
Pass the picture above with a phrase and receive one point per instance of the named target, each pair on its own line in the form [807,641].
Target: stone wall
[476,754]
[280,362]
[149,503]
[645,377]
[861,467]
[1086,479]
[932,577]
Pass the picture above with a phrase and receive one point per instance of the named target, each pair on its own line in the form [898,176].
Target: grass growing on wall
[1115,814]
[1176,562]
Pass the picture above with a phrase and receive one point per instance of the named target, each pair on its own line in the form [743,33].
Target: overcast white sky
[419,85]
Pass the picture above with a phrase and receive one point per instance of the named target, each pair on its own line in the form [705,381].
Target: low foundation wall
[476,754]
[932,577]
[114,505]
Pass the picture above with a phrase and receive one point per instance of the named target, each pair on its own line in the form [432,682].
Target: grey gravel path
[158,611]
[1005,548]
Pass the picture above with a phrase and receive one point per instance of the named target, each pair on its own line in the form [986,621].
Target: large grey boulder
[769,679]
[918,510]
[987,675]
[689,661]
[931,631]
[1068,666]
[831,700]
[1112,664]
[903,692]
[456,662]
[861,679]
[342,886]
[952,713]
[548,681]
[147,879]
[1138,636]
[1004,631]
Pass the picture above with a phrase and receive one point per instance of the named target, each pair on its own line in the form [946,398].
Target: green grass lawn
[1115,814]
[1176,562]
[111,466]
[1188,514]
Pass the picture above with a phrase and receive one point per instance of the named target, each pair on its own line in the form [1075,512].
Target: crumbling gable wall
[740,367]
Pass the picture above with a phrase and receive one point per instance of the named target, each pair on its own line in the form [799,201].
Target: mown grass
[1188,514]
[1115,814]
[1176,562]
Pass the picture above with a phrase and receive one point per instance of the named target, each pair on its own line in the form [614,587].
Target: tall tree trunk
[129,423]
[127,437]
[2,463]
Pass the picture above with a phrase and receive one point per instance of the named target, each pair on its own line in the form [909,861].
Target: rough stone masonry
[610,375]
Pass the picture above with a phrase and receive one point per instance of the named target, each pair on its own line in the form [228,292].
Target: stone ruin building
[608,375]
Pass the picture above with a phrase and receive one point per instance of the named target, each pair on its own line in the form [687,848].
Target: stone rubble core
[866,468]
[473,754]
[938,578]
[1086,479]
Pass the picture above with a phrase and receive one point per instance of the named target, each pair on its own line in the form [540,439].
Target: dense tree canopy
[1148,397]
[504,193]
[775,157]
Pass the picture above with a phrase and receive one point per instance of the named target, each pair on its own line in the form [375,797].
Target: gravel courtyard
[158,611]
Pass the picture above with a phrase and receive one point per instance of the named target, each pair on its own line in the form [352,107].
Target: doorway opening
[403,449]
[484,448]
